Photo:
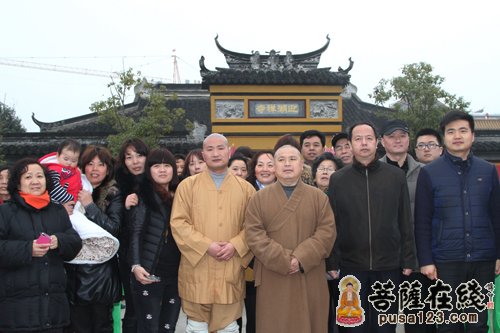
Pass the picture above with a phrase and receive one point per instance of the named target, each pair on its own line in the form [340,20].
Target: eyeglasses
[326,169]
[422,146]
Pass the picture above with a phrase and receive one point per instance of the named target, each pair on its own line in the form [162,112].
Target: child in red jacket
[64,175]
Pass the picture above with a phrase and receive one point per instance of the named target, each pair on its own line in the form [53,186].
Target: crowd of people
[273,232]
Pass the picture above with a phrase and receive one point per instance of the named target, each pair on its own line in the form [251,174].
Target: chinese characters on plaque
[277,109]
[234,109]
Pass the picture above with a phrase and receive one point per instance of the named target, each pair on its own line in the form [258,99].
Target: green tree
[156,121]
[9,121]
[417,96]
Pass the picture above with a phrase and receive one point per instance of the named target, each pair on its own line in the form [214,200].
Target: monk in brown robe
[290,228]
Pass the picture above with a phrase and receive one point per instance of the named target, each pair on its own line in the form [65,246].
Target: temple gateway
[256,99]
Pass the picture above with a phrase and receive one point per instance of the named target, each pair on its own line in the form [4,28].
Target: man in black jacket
[375,239]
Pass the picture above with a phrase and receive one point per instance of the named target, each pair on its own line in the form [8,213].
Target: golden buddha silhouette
[349,311]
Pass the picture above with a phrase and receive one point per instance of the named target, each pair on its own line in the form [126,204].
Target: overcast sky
[458,38]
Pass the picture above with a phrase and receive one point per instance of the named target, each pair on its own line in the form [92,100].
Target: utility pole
[176,78]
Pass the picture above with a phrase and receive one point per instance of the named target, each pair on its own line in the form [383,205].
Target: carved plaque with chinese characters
[276,108]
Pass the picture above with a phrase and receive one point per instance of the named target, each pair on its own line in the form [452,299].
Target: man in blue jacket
[457,221]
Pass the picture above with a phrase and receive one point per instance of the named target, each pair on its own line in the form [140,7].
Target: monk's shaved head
[215,135]
[288,165]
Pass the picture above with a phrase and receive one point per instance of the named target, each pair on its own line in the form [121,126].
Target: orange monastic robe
[201,214]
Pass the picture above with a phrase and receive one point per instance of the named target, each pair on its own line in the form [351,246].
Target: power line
[67,69]
[56,68]
[87,57]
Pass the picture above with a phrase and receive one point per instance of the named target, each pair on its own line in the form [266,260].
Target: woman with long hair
[130,168]
[194,163]
[261,175]
[153,253]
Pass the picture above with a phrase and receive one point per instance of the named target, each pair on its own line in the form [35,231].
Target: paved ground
[181,324]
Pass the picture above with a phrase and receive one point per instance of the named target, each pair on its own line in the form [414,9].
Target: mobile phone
[154,278]
[43,239]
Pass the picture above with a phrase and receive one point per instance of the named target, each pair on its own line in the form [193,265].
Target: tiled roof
[321,76]
[274,60]
[196,109]
[487,124]
[273,69]
[355,110]
[486,146]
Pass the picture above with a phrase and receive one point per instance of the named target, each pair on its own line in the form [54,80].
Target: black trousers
[129,322]
[250,304]
[91,318]
[456,273]
[333,289]
[367,280]
[50,330]
[426,283]
[157,305]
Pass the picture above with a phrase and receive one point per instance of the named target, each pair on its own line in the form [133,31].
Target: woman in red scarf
[36,237]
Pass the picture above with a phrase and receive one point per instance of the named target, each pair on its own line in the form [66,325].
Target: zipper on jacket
[158,249]
[369,218]
[157,254]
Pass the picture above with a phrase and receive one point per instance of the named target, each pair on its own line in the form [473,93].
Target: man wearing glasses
[429,145]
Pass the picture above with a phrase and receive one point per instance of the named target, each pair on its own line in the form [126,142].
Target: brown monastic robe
[277,228]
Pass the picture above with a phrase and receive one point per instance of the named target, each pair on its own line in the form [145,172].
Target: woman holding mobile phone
[36,237]
[153,253]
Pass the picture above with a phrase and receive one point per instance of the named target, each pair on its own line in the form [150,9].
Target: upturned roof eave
[246,56]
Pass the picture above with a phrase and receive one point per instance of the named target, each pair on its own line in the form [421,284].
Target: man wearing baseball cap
[395,139]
